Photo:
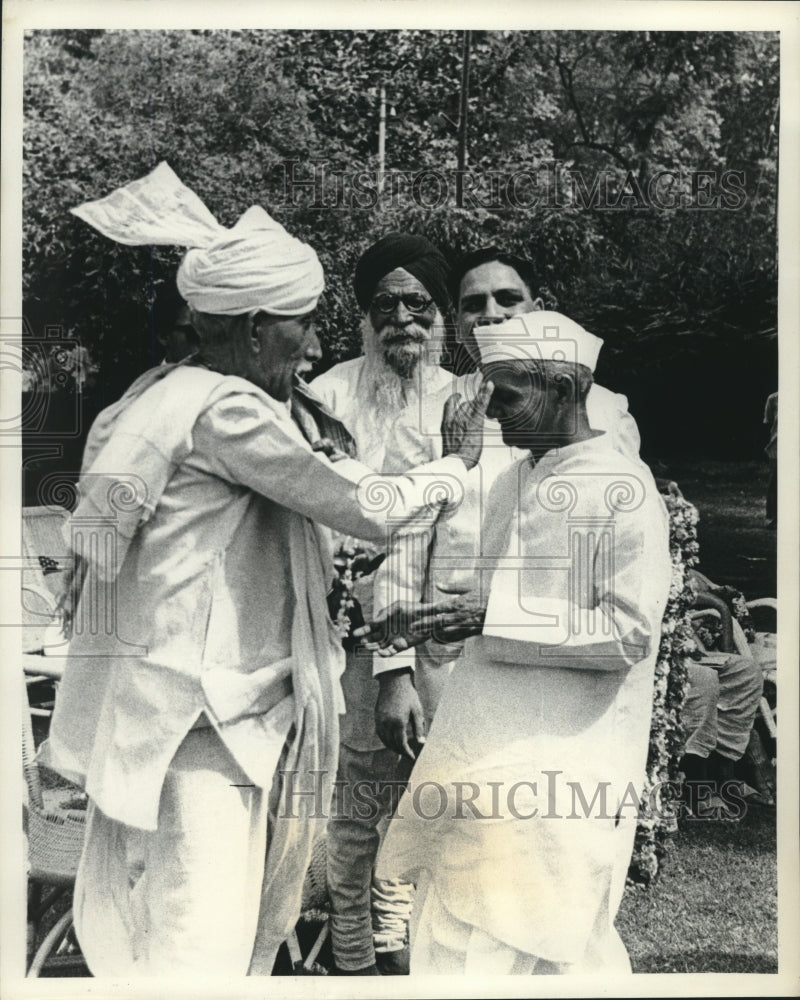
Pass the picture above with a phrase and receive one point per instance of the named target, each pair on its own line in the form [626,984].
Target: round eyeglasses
[415,303]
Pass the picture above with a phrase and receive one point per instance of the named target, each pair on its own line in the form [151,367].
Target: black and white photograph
[395,577]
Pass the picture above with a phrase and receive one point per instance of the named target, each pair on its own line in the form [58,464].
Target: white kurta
[551,703]
[206,595]
[218,601]
[448,554]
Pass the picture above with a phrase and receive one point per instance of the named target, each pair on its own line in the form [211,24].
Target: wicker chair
[55,840]
[55,835]
[54,832]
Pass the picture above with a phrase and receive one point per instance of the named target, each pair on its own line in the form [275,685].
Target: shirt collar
[562,452]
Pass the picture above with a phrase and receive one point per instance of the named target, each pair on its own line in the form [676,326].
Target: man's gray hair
[554,372]
[214,330]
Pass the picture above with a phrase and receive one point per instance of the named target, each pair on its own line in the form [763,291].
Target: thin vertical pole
[382,140]
[463,110]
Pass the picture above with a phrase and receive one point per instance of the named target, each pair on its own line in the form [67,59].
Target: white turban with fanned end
[255,265]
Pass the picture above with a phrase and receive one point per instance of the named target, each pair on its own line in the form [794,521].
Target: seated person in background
[721,704]
[718,714]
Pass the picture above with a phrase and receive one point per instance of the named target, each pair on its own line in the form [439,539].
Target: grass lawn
[736,547]
[714,907]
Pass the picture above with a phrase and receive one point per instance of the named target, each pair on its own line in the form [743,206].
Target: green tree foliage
[215,107]
[596,117]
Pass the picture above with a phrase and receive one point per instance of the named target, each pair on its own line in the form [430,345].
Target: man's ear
[254,333]
[538,304]
[566,386]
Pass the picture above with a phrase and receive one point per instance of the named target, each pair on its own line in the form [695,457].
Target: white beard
[386,393]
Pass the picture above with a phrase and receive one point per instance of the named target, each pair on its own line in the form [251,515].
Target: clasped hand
[406,624]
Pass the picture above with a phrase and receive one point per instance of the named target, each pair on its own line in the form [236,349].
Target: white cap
[538,336]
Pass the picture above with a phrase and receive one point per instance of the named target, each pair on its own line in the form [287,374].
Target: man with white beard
[400,284]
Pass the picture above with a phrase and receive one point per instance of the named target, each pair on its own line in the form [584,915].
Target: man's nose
[488,321]
[401,315]
[313,351]
[492,311]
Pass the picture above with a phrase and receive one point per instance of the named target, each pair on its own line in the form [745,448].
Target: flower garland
[658,813]
[343,563]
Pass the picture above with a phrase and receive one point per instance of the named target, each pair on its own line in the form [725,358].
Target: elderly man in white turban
[200,699]
[519,817]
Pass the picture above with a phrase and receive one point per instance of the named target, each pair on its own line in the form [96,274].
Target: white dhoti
[445,945]
[184,898]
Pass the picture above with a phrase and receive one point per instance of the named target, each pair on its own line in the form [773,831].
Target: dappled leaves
[230,109]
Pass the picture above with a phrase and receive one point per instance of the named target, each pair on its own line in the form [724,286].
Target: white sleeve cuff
[385,664]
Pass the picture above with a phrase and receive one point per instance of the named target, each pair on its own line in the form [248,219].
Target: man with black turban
[414,254]
[400,284]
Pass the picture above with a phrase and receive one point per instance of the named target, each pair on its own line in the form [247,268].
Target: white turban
[255,265]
